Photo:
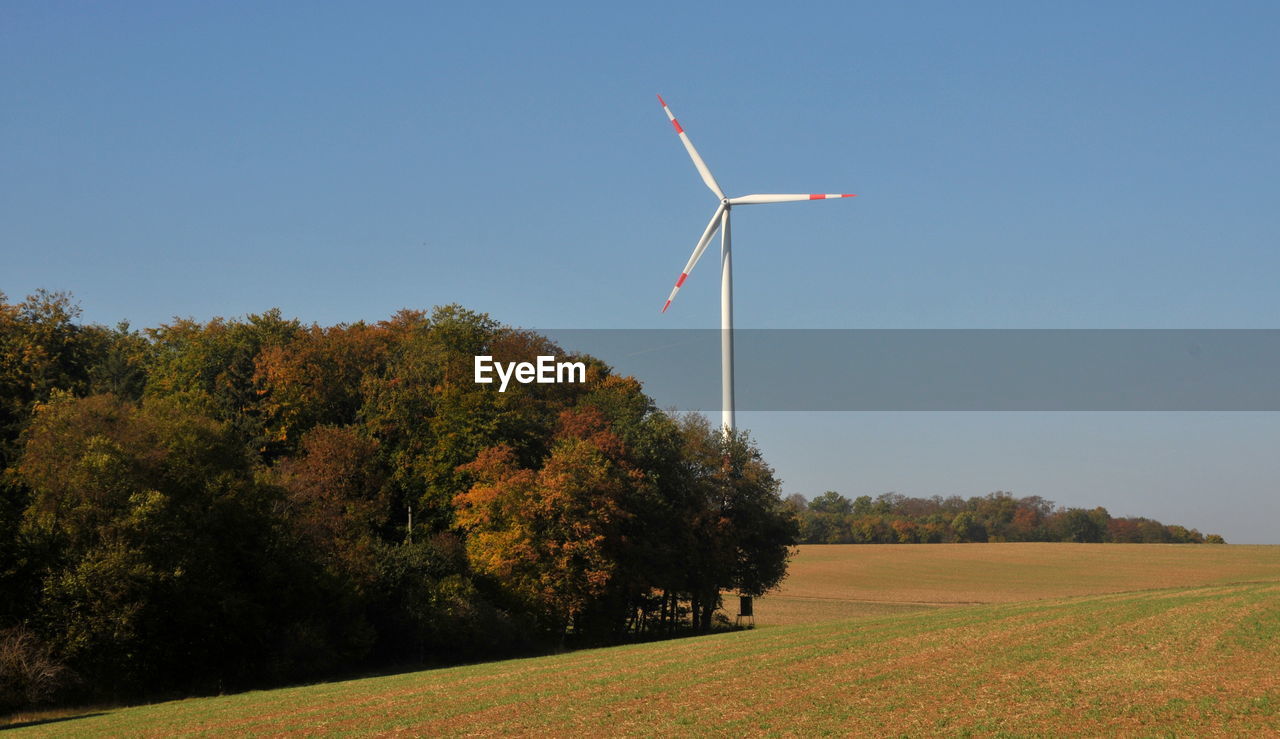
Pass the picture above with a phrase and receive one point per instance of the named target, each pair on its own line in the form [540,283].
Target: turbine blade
[712,227]
[752,199]
[693,153]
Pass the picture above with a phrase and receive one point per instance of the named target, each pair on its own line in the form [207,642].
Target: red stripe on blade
[817,197]
[849,195]
[664,102]
[676,123]
[680,281]
[668,305]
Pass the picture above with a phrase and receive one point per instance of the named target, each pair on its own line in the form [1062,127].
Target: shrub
[29,673]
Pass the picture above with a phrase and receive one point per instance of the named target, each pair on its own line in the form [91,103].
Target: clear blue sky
[1086,165]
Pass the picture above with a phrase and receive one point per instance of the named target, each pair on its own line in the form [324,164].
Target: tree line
[831,518]
[211,506]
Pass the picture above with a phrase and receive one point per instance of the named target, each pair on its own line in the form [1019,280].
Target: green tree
[212,368]
[121,367]
[431,418]
[1079,525]
[831,502]
[42,349]
[967,527]
[164,568]
[743,533]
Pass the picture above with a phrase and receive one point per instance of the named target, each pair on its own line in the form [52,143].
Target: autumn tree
[551,535]
[317,378]
[336,501]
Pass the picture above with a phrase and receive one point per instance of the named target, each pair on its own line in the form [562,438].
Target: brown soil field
[833,581]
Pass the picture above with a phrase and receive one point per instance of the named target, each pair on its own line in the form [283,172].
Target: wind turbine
[720,221]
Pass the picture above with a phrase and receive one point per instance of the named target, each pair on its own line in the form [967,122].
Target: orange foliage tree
[551,535]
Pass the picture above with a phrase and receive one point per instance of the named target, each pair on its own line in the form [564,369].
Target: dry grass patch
[826,582]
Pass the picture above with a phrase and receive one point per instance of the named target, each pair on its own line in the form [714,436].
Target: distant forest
[831,518]
[210,506]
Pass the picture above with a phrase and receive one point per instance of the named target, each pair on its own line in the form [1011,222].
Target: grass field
[1064,639]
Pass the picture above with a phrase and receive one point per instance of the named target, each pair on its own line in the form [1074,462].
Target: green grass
[1198,658]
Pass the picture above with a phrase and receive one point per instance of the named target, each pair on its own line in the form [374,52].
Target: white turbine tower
[720,221]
